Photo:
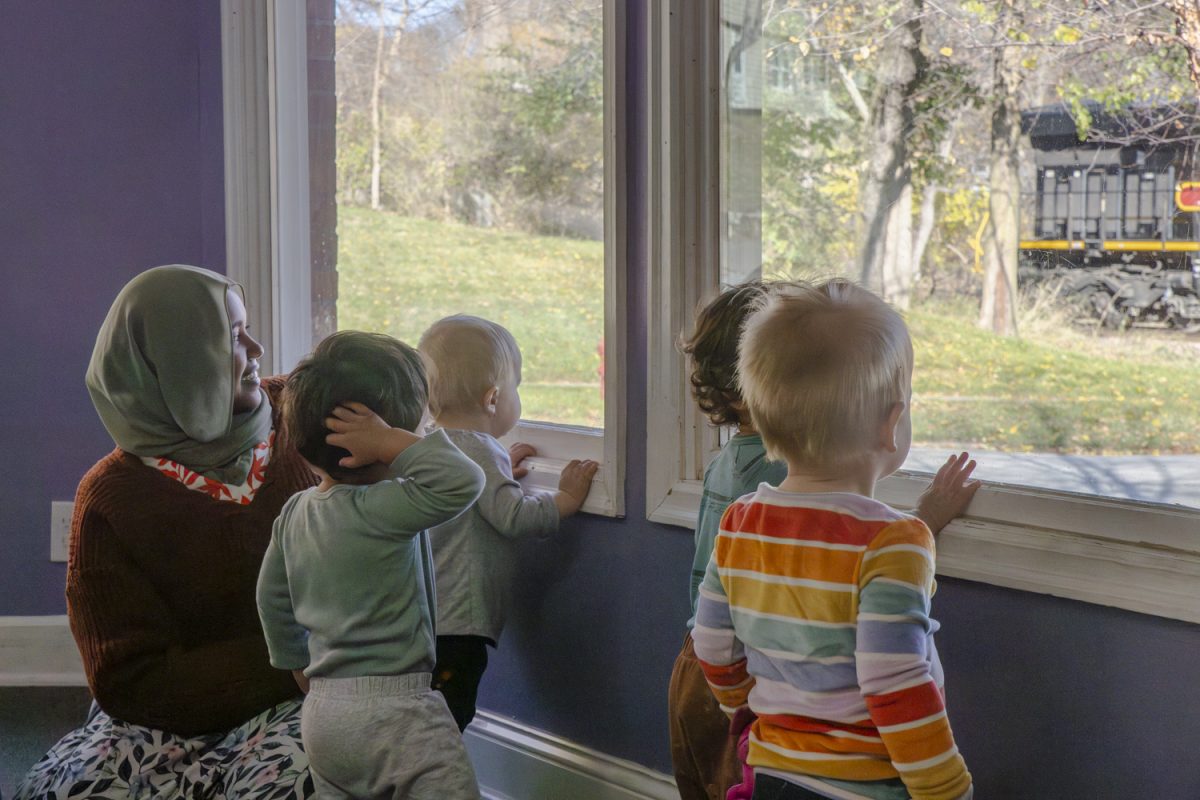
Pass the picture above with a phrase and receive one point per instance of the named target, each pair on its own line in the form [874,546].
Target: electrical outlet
[60,528]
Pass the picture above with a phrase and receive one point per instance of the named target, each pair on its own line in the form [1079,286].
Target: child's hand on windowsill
[949,493]
[518,453]
[574,485]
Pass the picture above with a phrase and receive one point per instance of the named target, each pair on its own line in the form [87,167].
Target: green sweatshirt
[346,587]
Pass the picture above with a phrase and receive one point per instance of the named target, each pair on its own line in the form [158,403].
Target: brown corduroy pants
[702,751]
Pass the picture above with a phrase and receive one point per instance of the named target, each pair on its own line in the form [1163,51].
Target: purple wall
[110,162]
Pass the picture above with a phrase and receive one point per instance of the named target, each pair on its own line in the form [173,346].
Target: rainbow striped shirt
[815,612]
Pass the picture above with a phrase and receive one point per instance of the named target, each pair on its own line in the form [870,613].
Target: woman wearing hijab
[168,535]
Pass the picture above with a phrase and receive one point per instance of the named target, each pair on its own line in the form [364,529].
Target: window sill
[1136,556]
[558,444]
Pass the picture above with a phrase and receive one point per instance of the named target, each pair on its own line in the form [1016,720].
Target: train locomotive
[1114,218]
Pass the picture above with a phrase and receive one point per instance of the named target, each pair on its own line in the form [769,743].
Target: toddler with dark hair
[346,589]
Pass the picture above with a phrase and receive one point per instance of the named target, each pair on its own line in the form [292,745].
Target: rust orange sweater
[160,593]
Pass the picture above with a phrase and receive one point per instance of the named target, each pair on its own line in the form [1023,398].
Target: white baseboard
[39,651]
[516,762]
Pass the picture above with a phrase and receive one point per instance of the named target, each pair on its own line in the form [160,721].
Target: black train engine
[1114,218]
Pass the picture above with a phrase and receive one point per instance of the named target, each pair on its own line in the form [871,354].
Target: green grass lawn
[1057,389]
[399,275]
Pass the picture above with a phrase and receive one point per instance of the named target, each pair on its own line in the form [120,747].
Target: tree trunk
[376,110]
[851,87]
[898,263]
[998,310]
[885,259]
[928,219]
[1187,25]
[379,78]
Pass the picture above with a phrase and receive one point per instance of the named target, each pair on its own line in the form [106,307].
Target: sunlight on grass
[1053,392]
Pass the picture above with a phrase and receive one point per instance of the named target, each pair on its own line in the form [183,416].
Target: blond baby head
[473,364]
[824,369]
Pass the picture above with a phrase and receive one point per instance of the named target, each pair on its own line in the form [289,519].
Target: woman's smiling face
[246,352]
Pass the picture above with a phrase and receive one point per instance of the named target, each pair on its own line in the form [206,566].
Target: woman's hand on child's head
[358,429]
[949,493]
[518,453]
[574,485]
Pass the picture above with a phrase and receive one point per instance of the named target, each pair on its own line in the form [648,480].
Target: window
[475,173]
[1044,412]
[470,178]
[1060,407]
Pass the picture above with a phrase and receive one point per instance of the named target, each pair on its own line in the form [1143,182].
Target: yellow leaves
[805,48]
[863,53]
[1029,63]
[1067,34]
[947,51]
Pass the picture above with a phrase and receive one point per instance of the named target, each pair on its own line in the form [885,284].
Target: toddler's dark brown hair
[713,348]
[382,373]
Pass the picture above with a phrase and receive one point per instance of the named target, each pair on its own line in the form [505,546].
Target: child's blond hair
[466,356]
[820,367]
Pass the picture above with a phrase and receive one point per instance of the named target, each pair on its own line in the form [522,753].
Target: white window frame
[264,64]
[1136,556]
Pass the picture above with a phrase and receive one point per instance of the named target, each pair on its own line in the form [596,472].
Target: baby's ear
[887,429]
[490,398]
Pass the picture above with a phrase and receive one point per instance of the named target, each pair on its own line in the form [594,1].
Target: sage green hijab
[161,374]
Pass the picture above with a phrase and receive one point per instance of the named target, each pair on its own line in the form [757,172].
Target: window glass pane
[470,179]
[1018,178]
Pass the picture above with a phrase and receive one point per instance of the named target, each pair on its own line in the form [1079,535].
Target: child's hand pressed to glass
[949,493]
[366,435]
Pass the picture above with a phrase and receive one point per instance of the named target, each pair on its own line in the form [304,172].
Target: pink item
[740,727]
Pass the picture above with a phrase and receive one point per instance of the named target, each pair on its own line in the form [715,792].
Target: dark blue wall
[110,162]
[1053,699]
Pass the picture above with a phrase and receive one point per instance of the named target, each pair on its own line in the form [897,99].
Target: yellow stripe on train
[1128,246]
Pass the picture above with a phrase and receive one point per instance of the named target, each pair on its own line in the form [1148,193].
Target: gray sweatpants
[386,737]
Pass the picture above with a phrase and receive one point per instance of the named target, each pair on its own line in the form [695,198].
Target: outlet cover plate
[60,529]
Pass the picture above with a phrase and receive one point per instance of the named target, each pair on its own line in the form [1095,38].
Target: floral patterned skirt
[109,759]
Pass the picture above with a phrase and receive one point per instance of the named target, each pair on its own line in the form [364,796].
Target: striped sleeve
[893,659]
[721,654]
